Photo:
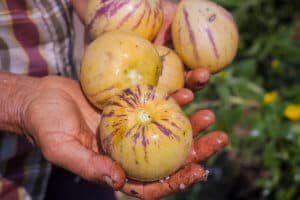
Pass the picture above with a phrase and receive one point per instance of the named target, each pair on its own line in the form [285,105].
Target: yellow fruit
[204,35]
[143,17]
[117,60]
[146,132]
[172,77]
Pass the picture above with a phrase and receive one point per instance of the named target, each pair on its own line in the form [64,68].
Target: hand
[61,121]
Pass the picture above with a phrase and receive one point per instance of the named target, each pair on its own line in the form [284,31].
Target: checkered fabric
[35,39]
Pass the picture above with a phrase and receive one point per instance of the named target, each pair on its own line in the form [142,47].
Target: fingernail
[222,139]
[182,186]
[108,180]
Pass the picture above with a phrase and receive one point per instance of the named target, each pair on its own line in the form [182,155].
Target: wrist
[16,93]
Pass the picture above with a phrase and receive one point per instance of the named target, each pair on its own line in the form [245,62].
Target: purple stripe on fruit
[114,104]
[163,129]
[145,142]
[110,114]
[139,21]
[136,137]
[126,100]
[128,133]
[132,96]
[212,41]
[174,124]
[108,9]
[125,19]
[191,33]
[167,97]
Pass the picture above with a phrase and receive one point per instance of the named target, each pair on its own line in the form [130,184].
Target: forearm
[15,92]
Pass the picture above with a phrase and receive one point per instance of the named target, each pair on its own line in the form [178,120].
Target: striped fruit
[117,60]
[204,35]
[143,17]
[146,132]
[172,77]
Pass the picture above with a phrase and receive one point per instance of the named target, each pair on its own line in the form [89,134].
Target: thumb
[103,169]
[70,154]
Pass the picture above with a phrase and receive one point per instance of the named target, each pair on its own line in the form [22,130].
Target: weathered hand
[61,121]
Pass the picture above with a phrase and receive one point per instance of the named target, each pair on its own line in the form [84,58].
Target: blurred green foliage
[250,99]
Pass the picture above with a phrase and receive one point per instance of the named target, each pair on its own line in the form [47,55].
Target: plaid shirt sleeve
[35,39]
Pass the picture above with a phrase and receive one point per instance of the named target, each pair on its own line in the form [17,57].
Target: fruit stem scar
[134,75]
[144,117]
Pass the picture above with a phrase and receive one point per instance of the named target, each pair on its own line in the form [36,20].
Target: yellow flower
[270,97]
[275,64]
[292,112]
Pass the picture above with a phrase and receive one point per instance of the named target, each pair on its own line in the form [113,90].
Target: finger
[207,145]
[178,181]
[183,96]
[196,79]
[70,154]
[201,120]
[164,34]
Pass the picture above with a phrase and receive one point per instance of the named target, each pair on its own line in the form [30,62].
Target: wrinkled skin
[63,124]
[60,120]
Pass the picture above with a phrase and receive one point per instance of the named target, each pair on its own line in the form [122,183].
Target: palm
[56,113]
[64,124]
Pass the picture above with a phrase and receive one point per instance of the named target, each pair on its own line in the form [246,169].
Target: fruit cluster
[129,78]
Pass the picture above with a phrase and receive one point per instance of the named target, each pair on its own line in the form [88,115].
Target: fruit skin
[172,76]
[204,35]
[117,60]
[146,132]
[143,17]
